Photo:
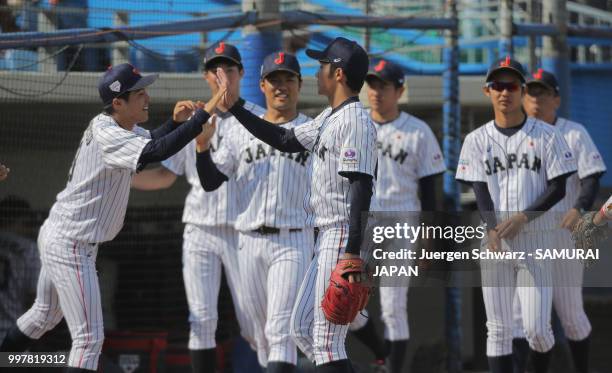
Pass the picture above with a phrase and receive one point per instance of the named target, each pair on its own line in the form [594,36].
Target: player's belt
[271,230]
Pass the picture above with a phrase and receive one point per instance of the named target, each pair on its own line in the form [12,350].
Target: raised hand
[218,98]
[183,110]
[208,130]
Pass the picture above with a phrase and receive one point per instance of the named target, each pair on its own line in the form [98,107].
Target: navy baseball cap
[545,78]
[506,64]
[222,50]
[120,79]
[280,61]
[387,71]
[344,53]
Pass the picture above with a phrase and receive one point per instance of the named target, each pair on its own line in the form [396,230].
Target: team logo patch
[538,75]
[380,66]
[349,155]
[596,156]
[220,48]
[463,163]
[280,59]
[568,155]
[506,62]
[336,60]
[437,157]
[115,86]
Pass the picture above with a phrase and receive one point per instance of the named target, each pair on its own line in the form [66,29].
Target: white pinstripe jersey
[271,184]
[516,168]
[588,159]
[214,208]
[341,141]
[607,208]
[92,206]
[407,151]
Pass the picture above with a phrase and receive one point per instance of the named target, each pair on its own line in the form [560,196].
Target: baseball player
[541,101]
[518,167]
[4,172]
[19,261]
[409,158]
[91,210]
[342,141]
[209,239]
[275,245]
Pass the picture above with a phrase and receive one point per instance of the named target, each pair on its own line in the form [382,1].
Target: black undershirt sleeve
[161,131]
[277,137]
[555,191]
[360,197]
[427,192]
[210,176]
[589,186]
[164,147]
[485,204]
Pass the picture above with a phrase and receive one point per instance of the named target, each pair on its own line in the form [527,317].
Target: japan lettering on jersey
[271,184]
[342,141]
[216,208]
[516,168]
[589,160]
[92,206]
[407,151]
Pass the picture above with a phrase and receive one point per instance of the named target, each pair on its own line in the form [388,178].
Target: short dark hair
[354,83]
[125,96]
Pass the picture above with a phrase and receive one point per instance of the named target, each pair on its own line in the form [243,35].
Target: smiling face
[506,91]
[134,108]
[282,89]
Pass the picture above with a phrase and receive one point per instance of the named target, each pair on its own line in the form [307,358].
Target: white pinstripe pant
[205,249]
[68,287]
[567,295]
[320,340]
[531,280]
[272,268]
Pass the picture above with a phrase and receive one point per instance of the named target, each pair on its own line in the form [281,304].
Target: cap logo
[380,66]
[336,60]
[506,62]
[538,75]
[280,59]
[220,48]
[115,86]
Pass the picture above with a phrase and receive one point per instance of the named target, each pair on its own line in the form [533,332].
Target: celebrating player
[409,158]
[518,167]
[342,140]
[275,244]
[91,210]
[542,101]
[209,239]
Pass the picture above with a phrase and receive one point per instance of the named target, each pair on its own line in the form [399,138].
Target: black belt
[271,230]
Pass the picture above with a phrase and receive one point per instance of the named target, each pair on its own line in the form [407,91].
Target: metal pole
[531,42]
[506,47]
[257,42]
[451,146]
[366,39]
[554,49]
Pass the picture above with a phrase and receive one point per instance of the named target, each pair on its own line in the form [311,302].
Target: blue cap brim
[317,55]
[143,82]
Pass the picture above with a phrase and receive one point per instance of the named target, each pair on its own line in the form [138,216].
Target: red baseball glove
[343,300]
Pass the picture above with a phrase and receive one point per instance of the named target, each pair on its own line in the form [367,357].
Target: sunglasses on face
[537,90]
[502,86]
